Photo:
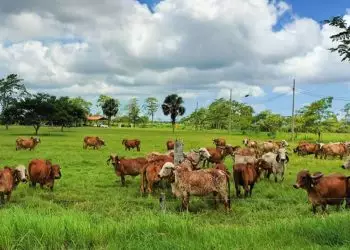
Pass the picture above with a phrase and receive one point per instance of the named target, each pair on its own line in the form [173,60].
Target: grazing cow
[9,179]
[124,167]
[346,164]
[334,149]
[218,154]
[306,148]
[43,172]
[276,162]
[23,143]
[323,190]
[246,175]
[269,146]
[197,183]
[170,145]
[131,144]
[93,141]
[219,142]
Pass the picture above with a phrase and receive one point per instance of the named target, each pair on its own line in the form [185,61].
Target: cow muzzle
[343,166]
[297,186]
[24,180]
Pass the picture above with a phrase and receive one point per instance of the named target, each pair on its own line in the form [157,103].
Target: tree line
[18,106]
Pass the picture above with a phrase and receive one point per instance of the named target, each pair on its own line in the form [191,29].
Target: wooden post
[178,152]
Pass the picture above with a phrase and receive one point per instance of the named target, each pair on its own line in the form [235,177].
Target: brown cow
[23,143]
[249,143]
[130,144]
[246,175]
[43,172]
[93,141]
[334,149]
[149,174]
[222,167]
[306,148]
[9,179]
[170,145]
[218,154]
[322,190]
[219,142]
[124,167]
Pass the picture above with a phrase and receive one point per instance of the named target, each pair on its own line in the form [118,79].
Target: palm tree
[172,106]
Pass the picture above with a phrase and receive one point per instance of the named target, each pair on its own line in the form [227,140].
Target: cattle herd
[194,175]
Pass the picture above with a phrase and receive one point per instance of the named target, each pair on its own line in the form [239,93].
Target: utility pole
[293,116]
[230,114]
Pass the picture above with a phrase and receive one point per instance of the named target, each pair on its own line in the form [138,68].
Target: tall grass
[90,210]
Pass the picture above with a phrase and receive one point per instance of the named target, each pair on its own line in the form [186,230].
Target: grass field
[90,210]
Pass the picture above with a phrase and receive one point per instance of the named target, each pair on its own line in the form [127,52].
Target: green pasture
[89,209]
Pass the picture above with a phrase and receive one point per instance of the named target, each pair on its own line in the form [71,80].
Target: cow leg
[122,178]
[324,207]
[246,190]
[149,186]
[314,209]
[33,184]
[215,194]
[41,185]
[8,197]
[251,189]
[2,198]
[204,163]
[238,191]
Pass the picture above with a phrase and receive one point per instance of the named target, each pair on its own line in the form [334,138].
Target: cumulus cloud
[283,90]
[188,47]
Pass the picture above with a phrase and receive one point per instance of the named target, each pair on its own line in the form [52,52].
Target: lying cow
[323,190]
[43,172]
[275,163]
[93,141]
[23,143]
[197,183]
[9,179]
[131,144]
[246,175]
[124,167]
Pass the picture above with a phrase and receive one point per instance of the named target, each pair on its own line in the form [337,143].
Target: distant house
[96,119]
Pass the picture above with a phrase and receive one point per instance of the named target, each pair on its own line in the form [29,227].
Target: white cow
[277,162]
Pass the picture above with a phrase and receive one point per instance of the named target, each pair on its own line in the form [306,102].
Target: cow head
[112,158]
[215,141]
[284,143]
[124,141]
[101,141]
[305,180]
[203,153]
[346,164]
[167,170]
[35,139]
[296,149]
[245,141]
[22,173]
[282,156]
[56,171]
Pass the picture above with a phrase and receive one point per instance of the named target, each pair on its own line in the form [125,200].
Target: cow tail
[229,188]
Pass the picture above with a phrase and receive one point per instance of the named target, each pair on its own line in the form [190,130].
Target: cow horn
[317,175]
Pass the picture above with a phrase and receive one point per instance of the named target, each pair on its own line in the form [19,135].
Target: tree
[67,112]
[34,110]
[151,106]
[315,115]
[172,106]
[197,118]
[110,108]
[102,99]
[80,102]
[133,110]
[342,38]
[346,111]
[11,88]
[268,121]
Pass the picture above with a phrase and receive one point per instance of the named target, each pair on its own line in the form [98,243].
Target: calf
[246,175]
[218,155]
[170,145]
[277,162]
[93,141]
[323,190]
[23,143]
[130,144]
[9,179]
[43,172]
[197,183]
[124,167]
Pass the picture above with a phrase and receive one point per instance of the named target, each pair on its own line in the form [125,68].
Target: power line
[338,98]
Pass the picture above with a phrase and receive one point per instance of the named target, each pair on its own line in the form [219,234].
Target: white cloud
[188,47]
[283,90]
